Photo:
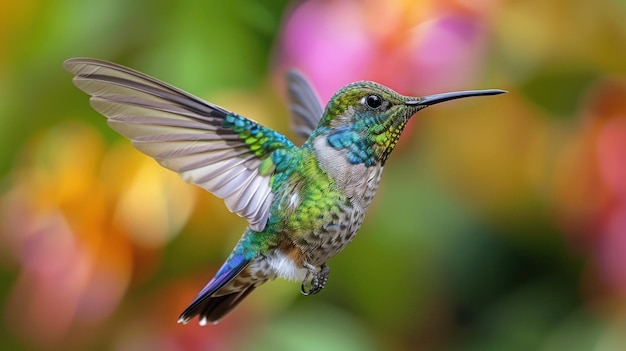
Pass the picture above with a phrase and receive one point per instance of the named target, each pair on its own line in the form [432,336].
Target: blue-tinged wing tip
[211,308]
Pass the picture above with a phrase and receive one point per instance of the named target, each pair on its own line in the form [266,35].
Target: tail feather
[221,294]
[217,307]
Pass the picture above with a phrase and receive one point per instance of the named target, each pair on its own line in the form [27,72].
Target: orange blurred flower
[591,185]
[71,220]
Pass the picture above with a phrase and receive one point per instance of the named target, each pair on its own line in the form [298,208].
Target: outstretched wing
[306,110]
[207,145]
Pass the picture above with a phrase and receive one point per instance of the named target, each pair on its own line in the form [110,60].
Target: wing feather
[206,144]
[306,110]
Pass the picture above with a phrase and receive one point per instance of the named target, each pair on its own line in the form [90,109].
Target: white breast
[356,181]
[284,267]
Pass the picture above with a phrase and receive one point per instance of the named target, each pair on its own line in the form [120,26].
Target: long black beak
[437,98]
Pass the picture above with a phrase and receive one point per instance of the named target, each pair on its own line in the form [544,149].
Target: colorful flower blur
[500,223]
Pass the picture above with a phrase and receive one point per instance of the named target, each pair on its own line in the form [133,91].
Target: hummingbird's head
[367,119]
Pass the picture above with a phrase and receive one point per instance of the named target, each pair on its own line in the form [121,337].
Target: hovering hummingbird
[303,204]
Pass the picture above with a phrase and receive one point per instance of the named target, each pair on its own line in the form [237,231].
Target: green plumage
[305,196]
[257,138]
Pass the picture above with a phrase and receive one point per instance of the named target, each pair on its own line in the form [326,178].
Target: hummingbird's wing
[306,110]
[224,153]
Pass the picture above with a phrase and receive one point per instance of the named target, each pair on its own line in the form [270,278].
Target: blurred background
[500,223]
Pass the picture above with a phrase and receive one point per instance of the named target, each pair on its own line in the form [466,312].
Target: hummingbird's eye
[373,101]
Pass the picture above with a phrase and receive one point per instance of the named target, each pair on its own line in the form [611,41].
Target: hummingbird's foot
[318,279]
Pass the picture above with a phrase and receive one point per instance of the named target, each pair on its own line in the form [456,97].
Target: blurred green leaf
[558,89]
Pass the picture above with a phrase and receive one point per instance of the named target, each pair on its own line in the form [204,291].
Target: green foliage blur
[500,222]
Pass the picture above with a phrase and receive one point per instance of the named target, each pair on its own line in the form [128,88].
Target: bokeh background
[500,223]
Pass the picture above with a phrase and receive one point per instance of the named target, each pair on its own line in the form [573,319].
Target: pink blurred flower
[611,151]
[611,158]
[69,224]
[414,47]
[592,195]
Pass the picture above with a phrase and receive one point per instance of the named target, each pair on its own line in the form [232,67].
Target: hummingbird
[303,204]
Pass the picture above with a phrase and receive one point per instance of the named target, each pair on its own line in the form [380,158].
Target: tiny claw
[318,279]
[311,270]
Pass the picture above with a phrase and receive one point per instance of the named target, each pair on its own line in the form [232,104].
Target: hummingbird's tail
[232,283]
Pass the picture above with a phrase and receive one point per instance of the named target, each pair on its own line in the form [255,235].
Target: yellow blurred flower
[72,217]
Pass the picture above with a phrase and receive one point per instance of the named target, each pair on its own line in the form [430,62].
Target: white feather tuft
[284,267]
